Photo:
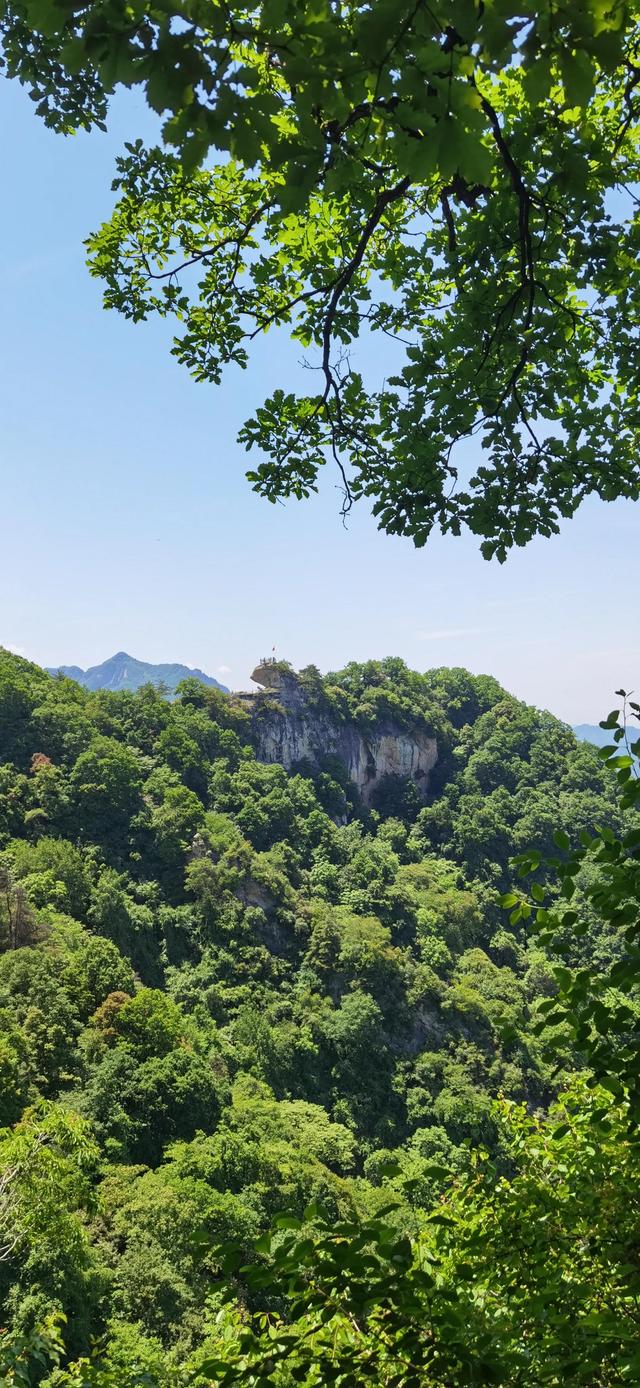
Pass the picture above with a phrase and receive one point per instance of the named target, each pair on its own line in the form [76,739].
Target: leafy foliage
[601,1003]
[453,177]
[222,1007]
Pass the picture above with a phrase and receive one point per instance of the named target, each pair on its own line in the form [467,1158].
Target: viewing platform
[268,673]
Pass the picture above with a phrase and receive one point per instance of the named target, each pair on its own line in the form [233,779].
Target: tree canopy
[454,182]
[295,1089]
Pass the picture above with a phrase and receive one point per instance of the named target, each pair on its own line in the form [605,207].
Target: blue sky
[127,522]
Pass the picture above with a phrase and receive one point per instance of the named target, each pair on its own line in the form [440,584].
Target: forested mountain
[228,990]
[122,671]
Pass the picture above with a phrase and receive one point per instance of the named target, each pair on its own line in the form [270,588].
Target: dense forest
[301,1084]
[235,999]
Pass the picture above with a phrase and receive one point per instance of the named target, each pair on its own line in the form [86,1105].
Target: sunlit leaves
[467,154]
[527,1275]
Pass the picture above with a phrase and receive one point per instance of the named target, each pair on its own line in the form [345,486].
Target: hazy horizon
[223,673]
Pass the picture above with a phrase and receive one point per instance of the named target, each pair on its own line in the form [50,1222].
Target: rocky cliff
[291,728]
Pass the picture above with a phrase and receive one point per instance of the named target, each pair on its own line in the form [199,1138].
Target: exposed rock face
[290,731]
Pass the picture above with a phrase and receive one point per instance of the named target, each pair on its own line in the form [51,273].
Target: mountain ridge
[591,732]
[123,671]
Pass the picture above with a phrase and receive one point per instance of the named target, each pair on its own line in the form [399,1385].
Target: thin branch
[383,201]
[236,240]
[286,308]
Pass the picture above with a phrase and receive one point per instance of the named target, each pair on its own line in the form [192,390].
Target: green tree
[47,1166]
[526,1277]
[453,179]
[106,783]
[14,1071]
[51,870]
[601,1005]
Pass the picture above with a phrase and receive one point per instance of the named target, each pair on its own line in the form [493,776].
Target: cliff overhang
[291,728]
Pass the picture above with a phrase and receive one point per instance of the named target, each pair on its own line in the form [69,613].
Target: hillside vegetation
[230,994]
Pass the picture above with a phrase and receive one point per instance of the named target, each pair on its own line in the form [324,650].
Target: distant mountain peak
[590,732]
[124,671]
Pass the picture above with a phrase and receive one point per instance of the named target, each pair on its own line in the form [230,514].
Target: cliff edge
[293,724]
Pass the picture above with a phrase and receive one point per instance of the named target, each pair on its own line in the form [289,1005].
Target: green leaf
[287,1221]
[578,76]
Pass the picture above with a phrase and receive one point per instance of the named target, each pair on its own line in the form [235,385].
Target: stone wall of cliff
[289,729]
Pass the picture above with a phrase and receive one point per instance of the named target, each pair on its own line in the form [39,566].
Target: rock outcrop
[289,728]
